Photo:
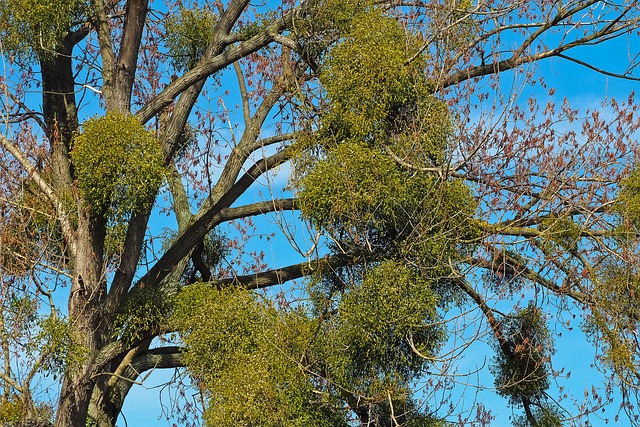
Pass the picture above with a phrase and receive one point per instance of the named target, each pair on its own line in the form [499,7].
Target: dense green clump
[353,185]
[327,21]
[250,360]
[377,91]
[615,315]
[119,165]
[368,173]
[378,323]
[58,339]
[146,311]
[39,27]
[523,373]
[562,232]
[365,76]
[628,200]
[261,365]
[189,32]
[369,203]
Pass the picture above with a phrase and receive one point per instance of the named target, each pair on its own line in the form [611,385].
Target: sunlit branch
[209,219]
[47,190]
[244,94]
[207,67]
[281,275]
[5,374]
[103,28]
[180,198]
[259,208]
[158,358]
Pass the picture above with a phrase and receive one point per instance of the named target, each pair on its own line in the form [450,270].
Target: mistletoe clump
[189,32]
[119,165]
[28,27]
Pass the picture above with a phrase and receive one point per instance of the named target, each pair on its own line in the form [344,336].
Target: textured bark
[60,113]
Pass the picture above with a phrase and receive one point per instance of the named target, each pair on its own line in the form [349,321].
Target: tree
[428,194]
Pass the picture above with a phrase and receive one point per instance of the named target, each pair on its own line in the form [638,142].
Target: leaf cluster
[371,86]
[15,411]
[249,360]
[376,324]
[325,23]
[58,342]
[615,316]
[188,33]
[372,206]
[561,231]
[28,27]
[119,165]
[523,372]
[628,200]
[258,365]
[146,311]
[356,173]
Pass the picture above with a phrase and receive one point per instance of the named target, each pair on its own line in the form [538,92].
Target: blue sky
[584,89]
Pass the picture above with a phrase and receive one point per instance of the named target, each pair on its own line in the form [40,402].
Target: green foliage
[145,312]
[356,173]
[16,411]
[326,22]
[11,411]
[370,204]
[59,343]
[524,371]
[614,317]
[353,185]
[249,359]
[189,32]
[119,165]
[544,417]
[39,27]
[628,201]
[563,232]
[377,322]
[367,78]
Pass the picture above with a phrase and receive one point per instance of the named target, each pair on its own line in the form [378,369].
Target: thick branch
[209,219]
[205,68]
[125,67]
[161,358]
[254,209]
[281,275]
[106,48]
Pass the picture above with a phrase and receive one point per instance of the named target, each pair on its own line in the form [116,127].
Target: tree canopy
[424,188]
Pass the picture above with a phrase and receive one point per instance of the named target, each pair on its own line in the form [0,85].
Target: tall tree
[421,194]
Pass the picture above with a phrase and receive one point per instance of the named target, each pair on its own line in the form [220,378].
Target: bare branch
[46,189]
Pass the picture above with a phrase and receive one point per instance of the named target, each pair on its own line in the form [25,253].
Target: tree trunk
[89,325]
